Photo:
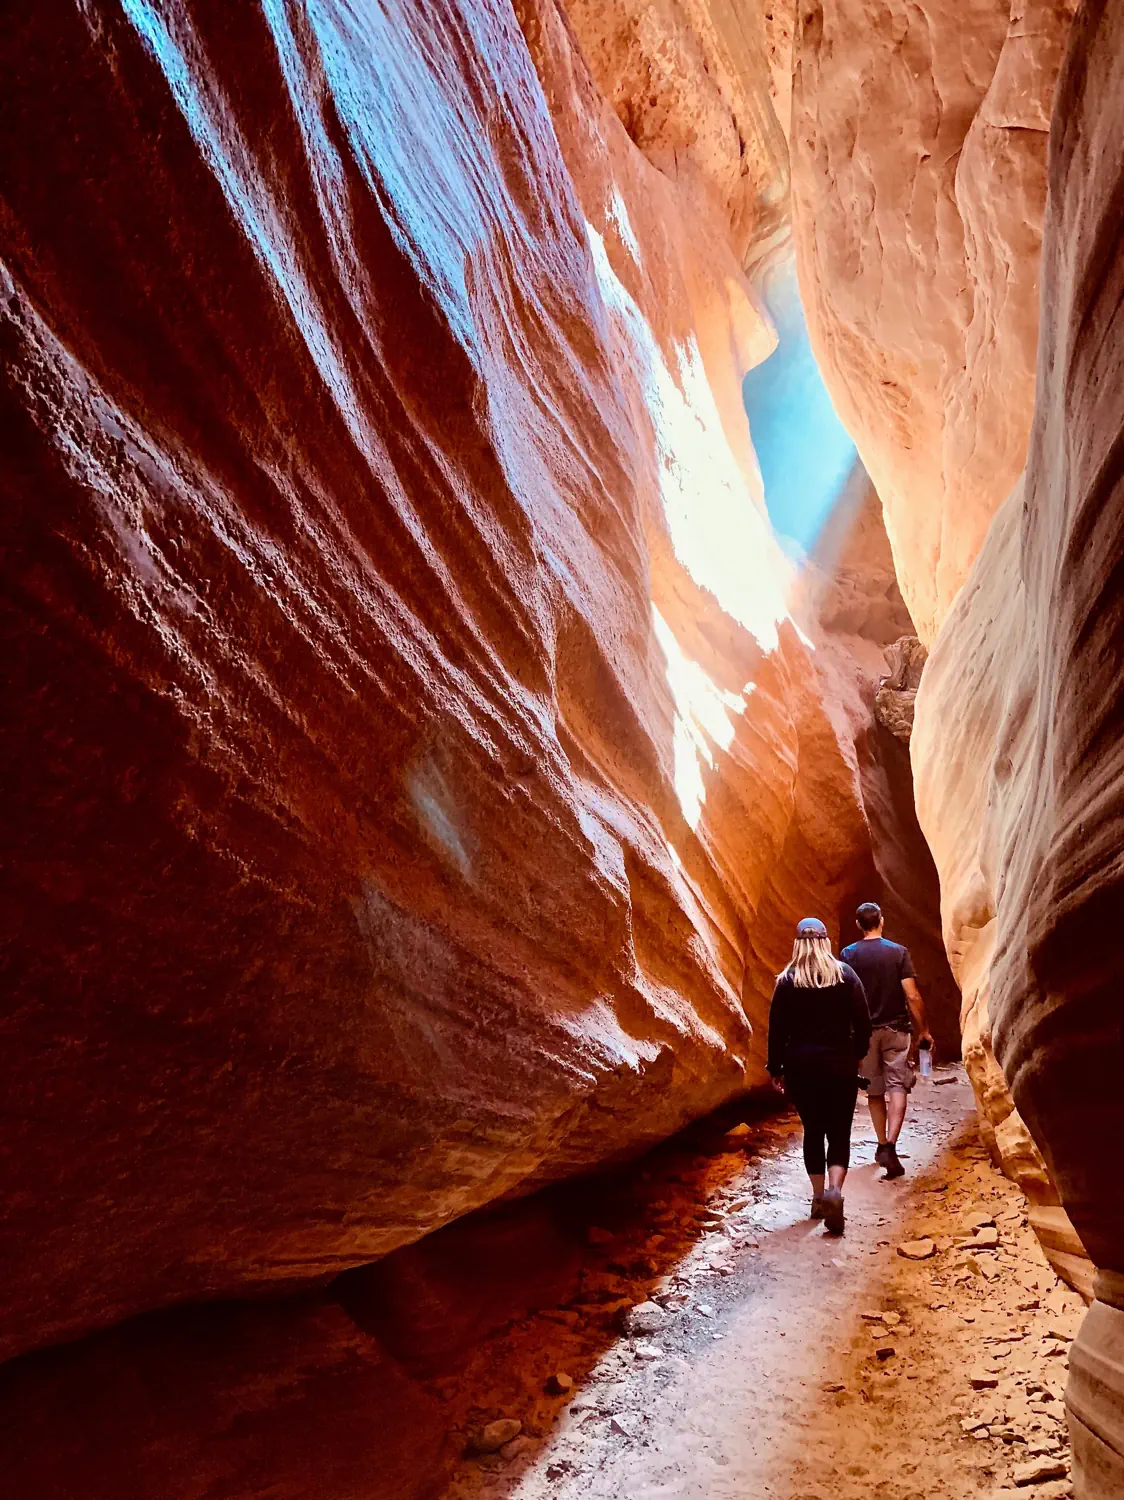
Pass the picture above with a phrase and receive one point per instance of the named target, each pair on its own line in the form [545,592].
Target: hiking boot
[890,1161]
[817,1206]
[833,1211]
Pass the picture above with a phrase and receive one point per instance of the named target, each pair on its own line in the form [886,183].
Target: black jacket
[827,1031]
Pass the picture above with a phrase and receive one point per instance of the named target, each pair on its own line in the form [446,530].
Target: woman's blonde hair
[813,966]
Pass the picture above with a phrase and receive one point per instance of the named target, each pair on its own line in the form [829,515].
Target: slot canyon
[510,505]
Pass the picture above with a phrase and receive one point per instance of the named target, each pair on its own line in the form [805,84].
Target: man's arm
[921,1032]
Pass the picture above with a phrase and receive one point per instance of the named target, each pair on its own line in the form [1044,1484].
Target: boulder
[644,1318]
[917,1249]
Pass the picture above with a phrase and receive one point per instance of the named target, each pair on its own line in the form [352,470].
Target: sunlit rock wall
[918,140]
[1017,746]
[412,774]
[690,82]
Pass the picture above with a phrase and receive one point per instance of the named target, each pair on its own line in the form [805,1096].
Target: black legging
[826,1107]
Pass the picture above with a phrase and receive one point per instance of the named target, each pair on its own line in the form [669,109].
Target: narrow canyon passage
[778,1361]
[507,507]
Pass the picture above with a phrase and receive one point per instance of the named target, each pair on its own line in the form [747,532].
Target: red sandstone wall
[411,774]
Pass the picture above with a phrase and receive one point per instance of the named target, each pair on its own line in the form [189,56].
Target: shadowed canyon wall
[413,771]
[849,603]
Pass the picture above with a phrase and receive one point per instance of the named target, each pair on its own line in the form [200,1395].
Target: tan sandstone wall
[918,139]
[690,82]
[1021,796]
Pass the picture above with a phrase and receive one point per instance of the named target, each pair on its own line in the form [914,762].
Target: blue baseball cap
[811,927]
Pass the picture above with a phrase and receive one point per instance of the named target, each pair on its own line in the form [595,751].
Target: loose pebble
[491,1439]
[917,1249]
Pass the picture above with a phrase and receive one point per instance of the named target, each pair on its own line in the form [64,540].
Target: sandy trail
[764,1376]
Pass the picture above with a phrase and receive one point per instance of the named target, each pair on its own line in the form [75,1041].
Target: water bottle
[925,1060]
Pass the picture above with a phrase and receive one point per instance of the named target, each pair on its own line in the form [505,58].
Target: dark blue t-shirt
[882,965]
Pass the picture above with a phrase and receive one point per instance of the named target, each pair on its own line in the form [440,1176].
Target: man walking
[897,1013]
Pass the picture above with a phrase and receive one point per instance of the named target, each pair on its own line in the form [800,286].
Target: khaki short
[885,1064]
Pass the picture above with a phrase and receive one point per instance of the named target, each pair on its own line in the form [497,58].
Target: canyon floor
[770,1360]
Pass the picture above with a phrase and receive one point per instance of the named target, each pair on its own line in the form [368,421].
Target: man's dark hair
[868,916]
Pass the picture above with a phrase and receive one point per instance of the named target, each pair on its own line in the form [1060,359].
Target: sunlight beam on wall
[717,532]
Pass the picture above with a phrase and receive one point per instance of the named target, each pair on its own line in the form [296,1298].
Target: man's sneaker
[880,1153]
[833,1211]
[890,1161]
[817,1206]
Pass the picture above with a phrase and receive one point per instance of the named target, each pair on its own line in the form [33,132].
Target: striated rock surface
[1018,735]
[973,693]
[918,246]
[413,772]
[896,698]
[690,83]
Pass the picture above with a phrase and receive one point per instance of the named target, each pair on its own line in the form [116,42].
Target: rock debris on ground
[721,1346]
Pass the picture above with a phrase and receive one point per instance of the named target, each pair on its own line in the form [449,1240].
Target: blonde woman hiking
[819,1032]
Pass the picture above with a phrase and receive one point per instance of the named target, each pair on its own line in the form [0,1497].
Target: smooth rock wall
[1017,748]
[918,143]
[412,774]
